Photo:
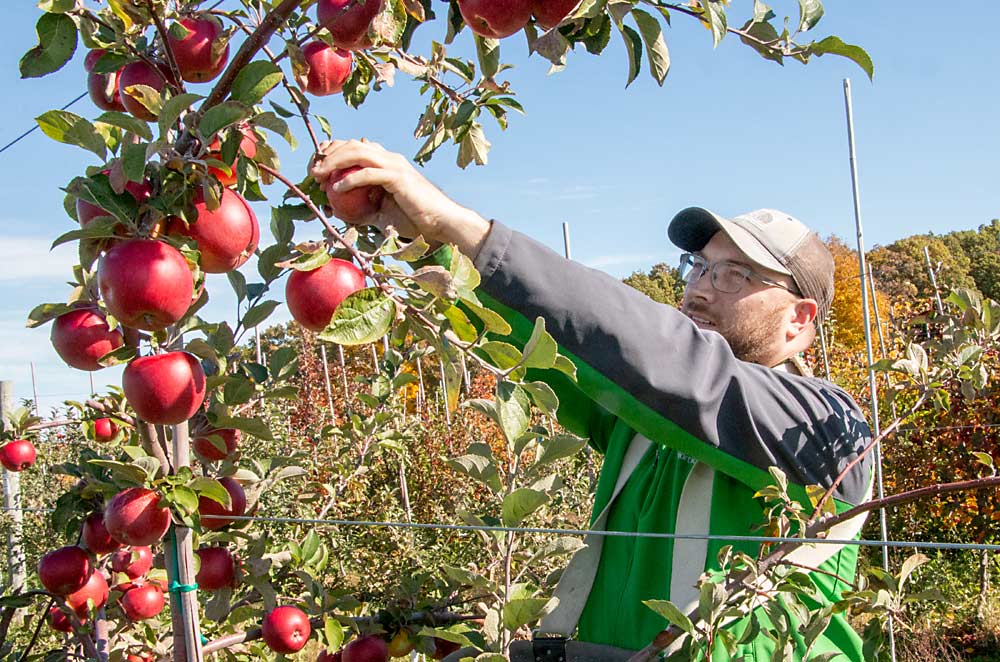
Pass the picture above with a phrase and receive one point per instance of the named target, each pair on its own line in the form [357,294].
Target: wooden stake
[179,557]
[329,388]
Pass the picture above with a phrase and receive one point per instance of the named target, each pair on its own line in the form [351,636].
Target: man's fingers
[345,154]
[367,176]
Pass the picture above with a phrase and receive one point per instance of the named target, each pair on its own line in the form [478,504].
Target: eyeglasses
[725,276]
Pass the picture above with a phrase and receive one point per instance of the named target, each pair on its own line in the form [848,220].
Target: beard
[750,336]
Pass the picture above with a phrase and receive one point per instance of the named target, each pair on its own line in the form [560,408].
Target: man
[690,407]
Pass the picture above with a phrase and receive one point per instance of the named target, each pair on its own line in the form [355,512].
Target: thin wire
[29,131]
[584,532]
[32,129]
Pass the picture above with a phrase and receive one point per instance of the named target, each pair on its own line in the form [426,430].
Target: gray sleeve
[809,428]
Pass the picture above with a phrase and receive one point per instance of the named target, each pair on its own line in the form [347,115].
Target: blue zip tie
[182,588]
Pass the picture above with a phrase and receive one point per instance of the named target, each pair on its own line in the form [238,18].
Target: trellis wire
[906,544]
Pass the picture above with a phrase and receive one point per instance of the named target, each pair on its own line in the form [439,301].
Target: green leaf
[479,465]
[473,147]
[983,458]
[172,109]
[71,129]
[715,13]
[513,408]
[219,117]
[129,473]
[254,81]
[252,426]
[810,11]
[520,503]
[517,613]
[186,498]
[259,313]
[836,46]
[633,46]
[56,45]
[543,396]
[558,447]
[460,324]
[565,366]
[488,51]
[126,122]
[211,489]
[493,321]
[272,122]
[671,613]
[909,565]
[656,46]
[437,280]
[46,312]
[363,317]
[333,633]
[501,354]
[540,351]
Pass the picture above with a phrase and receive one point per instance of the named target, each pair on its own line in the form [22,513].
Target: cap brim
[692,228]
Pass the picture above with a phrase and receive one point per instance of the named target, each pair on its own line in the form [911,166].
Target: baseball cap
[769,238]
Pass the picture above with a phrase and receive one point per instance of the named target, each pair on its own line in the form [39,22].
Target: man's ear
[803,314]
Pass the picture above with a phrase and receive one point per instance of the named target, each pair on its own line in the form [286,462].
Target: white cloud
[620,259]
[32,259]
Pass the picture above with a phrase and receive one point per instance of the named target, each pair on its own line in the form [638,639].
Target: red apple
[207,450]
[550,13]
[140,73]
[366,649]
[96,589]
[329,68]
[65,570]
[144,656]
[357,203]
[226,236]
[135,561]
[211,508]
[329,657]
[196,58]
[105,430]
[165,389]
[82,336]
[443,648]
[313,296]
[495,18]
[103,87]
[96,536]
[218,568]
[59,621]
[248,147]
[145,284]
[142,602]
[134,517]
[348,21]
[286,629]
[17,455]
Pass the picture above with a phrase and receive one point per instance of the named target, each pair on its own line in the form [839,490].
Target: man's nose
[700,286]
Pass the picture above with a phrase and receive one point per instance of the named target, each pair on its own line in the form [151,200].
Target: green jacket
[716,424]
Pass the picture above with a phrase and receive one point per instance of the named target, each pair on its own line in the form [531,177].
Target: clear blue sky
[728,131]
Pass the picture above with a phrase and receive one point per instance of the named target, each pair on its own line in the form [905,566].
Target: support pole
[873,386]
[329,387]
[822,346]
[16,573]
[34,389]
[566,250]
[179,558]
[421,393]
[937,293]
[343,373]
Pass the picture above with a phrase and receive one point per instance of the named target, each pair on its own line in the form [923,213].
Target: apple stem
[161,29]
[284,81]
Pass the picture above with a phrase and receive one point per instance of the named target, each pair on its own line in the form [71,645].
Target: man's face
[753,321]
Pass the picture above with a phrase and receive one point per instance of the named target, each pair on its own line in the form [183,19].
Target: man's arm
[641,361]
[650,365]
